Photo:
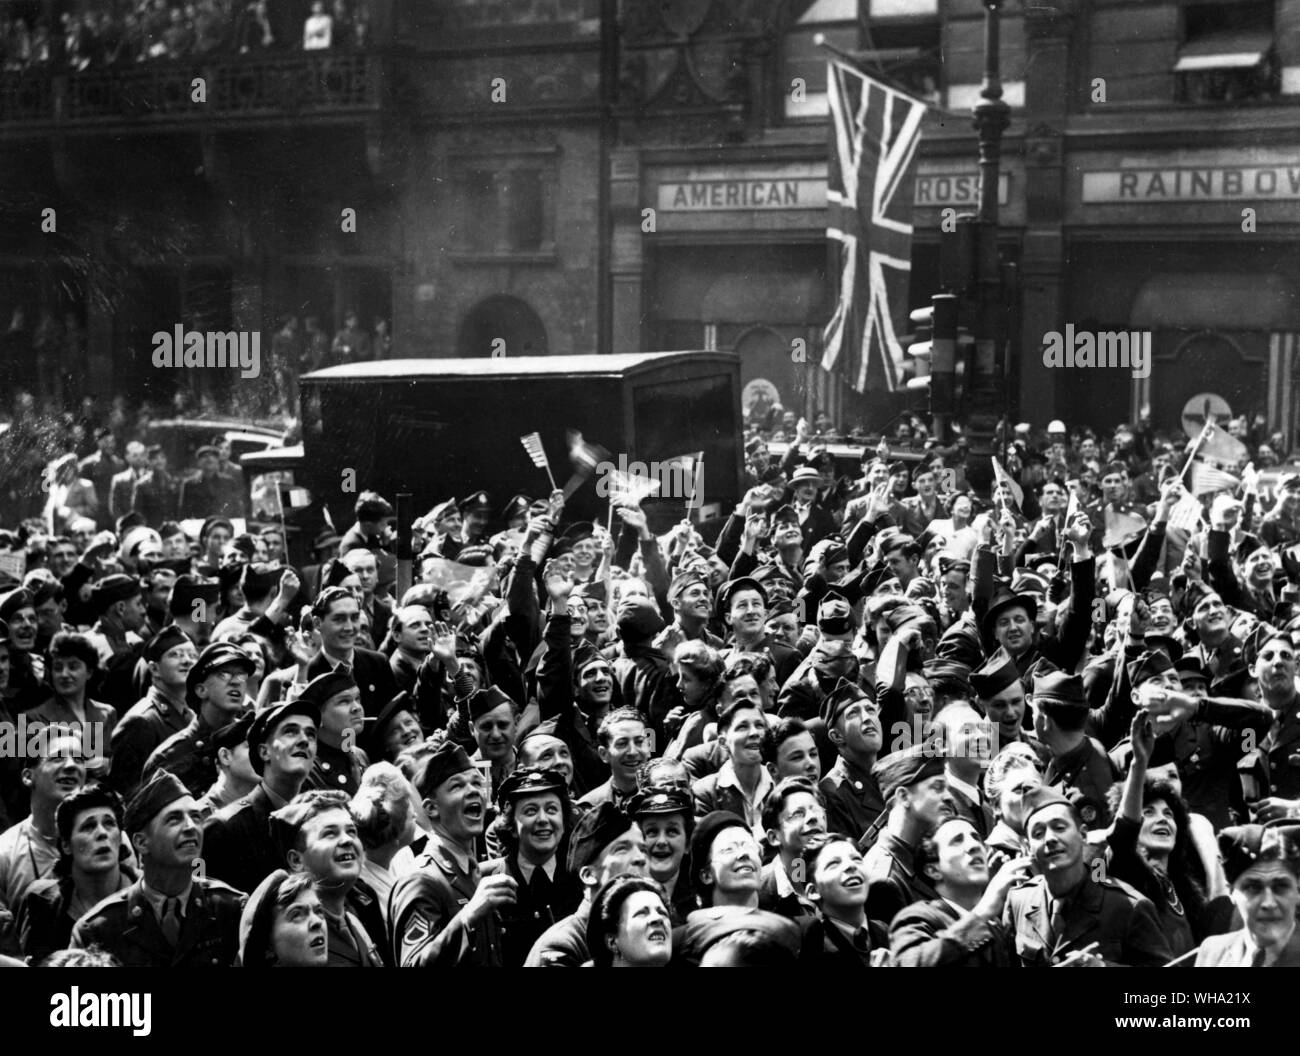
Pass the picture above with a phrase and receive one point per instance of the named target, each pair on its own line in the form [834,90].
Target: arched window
[502,326]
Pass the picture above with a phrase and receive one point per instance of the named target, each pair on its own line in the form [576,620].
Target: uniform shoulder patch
[417,930]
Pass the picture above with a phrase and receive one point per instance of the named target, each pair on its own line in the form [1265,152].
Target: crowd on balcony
[116,33]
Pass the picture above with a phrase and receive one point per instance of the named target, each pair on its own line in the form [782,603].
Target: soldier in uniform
[1001,693]
[340,761]
[339,616]
[170,917]
[913,785]
[534,815]
[281,748]
[162,712]
[215,689]
[1065,915]
[606,843]
[1275,672]
[851,794]
[962,928]
[445,914]
[1262,863]
[1078,761]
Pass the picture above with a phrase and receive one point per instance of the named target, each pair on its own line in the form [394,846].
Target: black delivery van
[444,428]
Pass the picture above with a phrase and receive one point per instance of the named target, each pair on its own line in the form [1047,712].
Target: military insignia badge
[417,930]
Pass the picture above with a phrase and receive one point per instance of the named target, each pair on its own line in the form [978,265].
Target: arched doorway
[767,371]
[502,326]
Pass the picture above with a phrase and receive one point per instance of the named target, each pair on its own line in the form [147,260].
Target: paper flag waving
[628,490]
[1206,480]
[1003,477]
[1122,528]
[585,458]
[1186,513]
[691,467]
[533,445]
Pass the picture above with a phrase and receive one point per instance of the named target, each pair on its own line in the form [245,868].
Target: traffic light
[936,327]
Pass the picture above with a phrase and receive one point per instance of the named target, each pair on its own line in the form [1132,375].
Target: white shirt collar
[969,791]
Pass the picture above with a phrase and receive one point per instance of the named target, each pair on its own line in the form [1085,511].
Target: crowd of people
[874,719]
[113,34]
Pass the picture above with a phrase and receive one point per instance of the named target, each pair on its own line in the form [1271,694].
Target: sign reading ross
[1192,184]
[954,188]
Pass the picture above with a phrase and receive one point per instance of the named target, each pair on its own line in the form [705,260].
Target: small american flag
[533,445]
[1186,513]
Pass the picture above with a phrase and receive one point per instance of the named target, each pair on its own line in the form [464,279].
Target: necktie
[540,884]
[171,920]
[862,941]
[1257,960]
[1056,926]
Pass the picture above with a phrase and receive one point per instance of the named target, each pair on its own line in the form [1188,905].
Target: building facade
[584,176]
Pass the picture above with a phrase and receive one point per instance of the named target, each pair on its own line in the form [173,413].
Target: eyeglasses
[229,675]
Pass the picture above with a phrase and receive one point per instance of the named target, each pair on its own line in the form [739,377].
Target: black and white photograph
[650,483]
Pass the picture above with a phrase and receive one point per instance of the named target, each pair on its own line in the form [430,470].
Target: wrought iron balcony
[236,86]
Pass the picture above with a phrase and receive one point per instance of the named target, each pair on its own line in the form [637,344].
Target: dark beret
[266,720]
[187,590]
[901,769]
[1171,647]
[939,669]
[91,797]
[707,829]
[160,791]
[444,762]
[257,921]
[321,688]
[638,619]
[872,581]
[595,831]
[112,589]
[1242,846]
[260,578]
[168,638]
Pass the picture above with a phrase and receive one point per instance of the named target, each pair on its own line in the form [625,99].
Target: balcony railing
[289,85]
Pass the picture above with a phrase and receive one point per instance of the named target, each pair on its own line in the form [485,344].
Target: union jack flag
[875,131]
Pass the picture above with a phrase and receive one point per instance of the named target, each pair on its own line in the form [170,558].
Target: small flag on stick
[533,445]
[585,458]
[1003,477]
[628,490]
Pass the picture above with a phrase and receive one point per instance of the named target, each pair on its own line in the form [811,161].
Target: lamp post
[992,114]
[991,117]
